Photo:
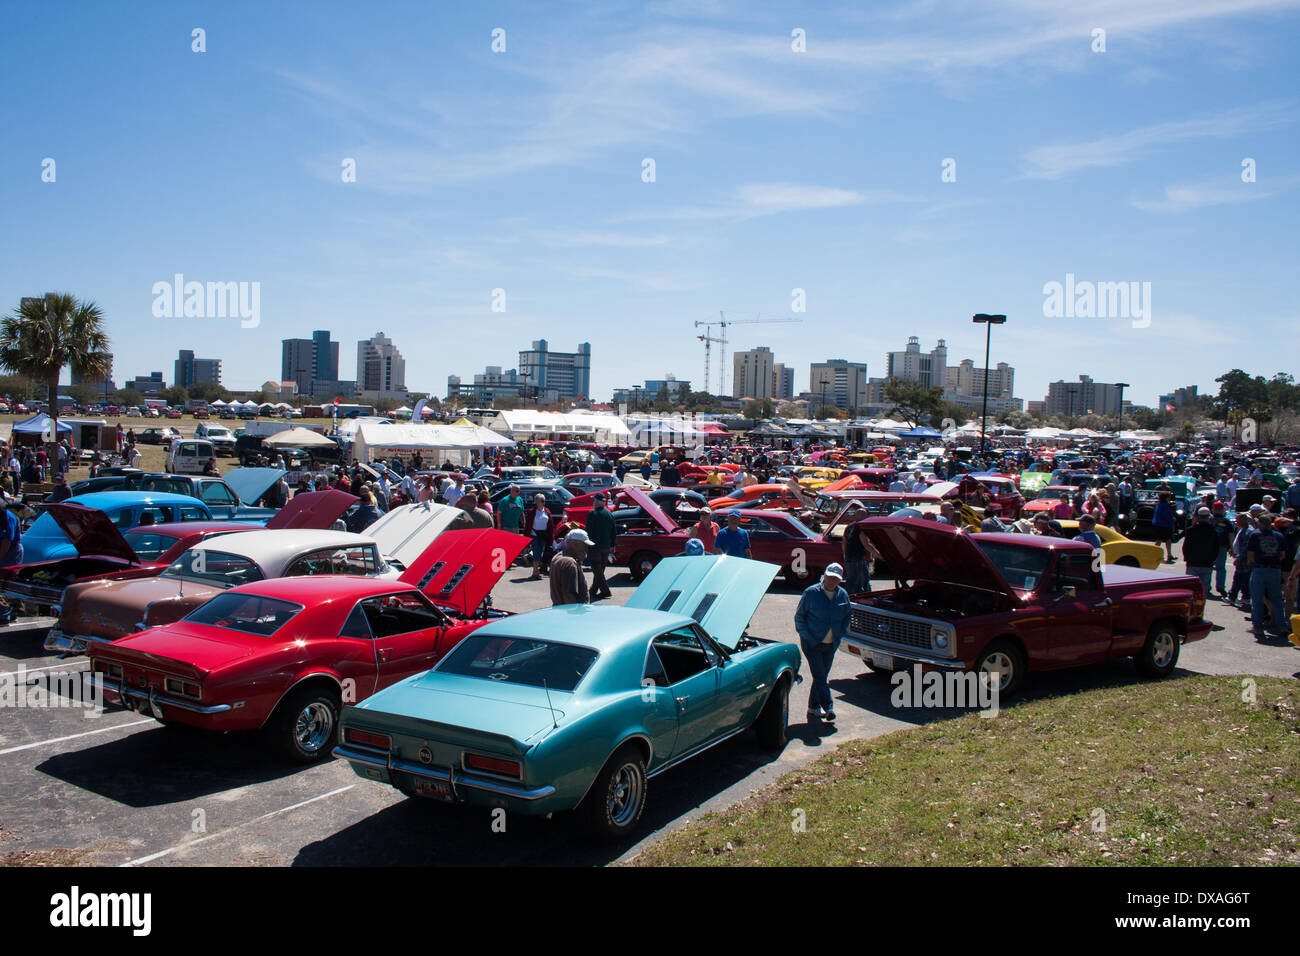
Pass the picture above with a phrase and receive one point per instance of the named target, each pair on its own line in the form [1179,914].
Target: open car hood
[648,505]
[460,568]
[312,509]
[251,483]
[721,593]
[91,531]
[917,549]
[405,532]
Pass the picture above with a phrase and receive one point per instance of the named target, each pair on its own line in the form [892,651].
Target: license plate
[883,661]
[61,643]
[434,789]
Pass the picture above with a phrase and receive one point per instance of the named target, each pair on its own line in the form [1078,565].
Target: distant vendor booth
[32,432]
[457,444]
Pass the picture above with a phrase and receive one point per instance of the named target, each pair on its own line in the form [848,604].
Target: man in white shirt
[918,485]
[455,492]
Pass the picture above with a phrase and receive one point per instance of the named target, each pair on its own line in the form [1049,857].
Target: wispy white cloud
[1059,161]
[768,199]
[1198,195]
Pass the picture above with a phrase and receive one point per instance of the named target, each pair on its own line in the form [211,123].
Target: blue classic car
[575,707]
[45,540]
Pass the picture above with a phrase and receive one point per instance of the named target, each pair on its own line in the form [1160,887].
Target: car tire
[1008,658]
[306,724]
[775,717]
[612,809]
[1159,655]
[642,563]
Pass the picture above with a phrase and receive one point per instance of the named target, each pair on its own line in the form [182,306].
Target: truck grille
[882,627]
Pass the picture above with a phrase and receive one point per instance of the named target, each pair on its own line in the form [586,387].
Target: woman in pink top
[1094,507]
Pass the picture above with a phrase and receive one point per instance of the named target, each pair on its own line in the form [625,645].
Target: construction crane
[721,341]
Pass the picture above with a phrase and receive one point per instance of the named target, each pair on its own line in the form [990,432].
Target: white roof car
[274,551]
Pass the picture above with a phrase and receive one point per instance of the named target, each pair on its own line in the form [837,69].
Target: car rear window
[148,544]
[519,660]
[249,613]
[218,568]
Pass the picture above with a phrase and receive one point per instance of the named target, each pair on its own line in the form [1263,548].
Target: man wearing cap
[1201,548]
[600,529]
[821,621]
[1264,552]
[733,539]
[1088,532]
[1224,533]
[568,583]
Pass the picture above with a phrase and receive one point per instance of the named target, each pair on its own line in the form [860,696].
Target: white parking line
[34,670]
[239,826]
[59,740]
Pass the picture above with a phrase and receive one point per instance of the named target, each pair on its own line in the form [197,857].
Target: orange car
[757,496]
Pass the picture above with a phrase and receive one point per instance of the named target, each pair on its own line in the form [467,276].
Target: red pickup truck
[1010,604]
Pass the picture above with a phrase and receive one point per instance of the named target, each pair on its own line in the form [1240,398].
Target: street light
[1121,386]
[989,321]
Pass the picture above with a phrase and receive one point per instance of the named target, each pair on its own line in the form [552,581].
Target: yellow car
[815,478]
[1117,549]
[634,459]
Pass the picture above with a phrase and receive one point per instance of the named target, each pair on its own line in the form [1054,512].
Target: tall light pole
[1121,386]
[989,321]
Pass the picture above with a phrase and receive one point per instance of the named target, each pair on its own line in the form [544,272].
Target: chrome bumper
[152,698]
[454,780]
[902,653]
[61,643]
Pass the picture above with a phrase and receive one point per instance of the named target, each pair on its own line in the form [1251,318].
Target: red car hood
[313,509]
[461,568]
[917,549]
[91,532]
[197,648]
[650,508]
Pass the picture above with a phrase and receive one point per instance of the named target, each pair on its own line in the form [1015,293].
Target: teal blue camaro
[576,707]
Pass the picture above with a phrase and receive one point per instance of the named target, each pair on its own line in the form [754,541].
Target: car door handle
[383,653]
[681,701]
[1104,602]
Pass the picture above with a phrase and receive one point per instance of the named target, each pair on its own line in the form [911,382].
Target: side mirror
[1067,592]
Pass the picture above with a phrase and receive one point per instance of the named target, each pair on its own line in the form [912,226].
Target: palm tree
[44,335]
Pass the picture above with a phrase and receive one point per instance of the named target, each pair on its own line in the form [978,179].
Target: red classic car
[762,497]
[284,655]
[680,504]
[1010,604]
[105,552]
[775,537]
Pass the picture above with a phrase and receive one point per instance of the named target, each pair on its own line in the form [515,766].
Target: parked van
[190,456]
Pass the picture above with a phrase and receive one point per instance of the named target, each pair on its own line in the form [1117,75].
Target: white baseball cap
[834,571]
[577,534]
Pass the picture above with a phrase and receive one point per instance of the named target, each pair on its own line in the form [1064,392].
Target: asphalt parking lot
[121,789]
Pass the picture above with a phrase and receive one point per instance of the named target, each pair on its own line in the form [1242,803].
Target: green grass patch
[1179,772]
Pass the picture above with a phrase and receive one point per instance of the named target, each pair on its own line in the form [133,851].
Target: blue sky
[774,170]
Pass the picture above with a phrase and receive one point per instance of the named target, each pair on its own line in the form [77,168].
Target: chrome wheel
[1163,647]
[313,727]
[625,793]
[999,663]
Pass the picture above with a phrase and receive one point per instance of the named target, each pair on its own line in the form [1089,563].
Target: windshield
[217,568]
[245,612]
[518,660]
[1022,567]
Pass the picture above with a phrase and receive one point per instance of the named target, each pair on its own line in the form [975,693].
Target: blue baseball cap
[733,513]
[694,546]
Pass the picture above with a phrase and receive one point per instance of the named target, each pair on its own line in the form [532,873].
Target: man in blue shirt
[1088,533]
[821,620]
[733,539]
[11,537]
[1265,552]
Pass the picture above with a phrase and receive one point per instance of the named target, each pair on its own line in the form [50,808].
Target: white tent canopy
[456,443]
[526,423]
[298,437]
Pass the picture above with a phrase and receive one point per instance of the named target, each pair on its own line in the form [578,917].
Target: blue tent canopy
[37,424]
[922,432]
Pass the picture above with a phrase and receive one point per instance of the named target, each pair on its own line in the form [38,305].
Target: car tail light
[364,738]
[107,667]
[174,685]
[497,765]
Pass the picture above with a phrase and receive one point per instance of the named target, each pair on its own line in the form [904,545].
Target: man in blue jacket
[821,620]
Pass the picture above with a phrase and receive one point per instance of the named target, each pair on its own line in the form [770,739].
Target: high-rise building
[782,382]
[927,369]
[1178,397]
[381,370]
[752,373]
[965,386]
[565,374]
[327,355]
[194,371]
[307,361]
[843,383]
[1084,397]
[147,385]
